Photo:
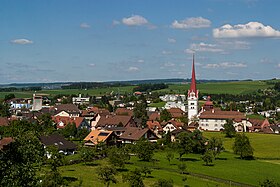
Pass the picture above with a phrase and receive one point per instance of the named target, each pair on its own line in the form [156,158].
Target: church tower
[192,97]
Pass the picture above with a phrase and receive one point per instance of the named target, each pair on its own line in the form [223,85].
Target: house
[133,134]
[67,110]
[4,121]
[62,121]
[80,100]
[97,136]
[64,146]
[110,121]
[193,126]
[154,116]
[275,128]
[214,120]
[124,111]
[258,125]
[176,112]
[4,142]
[155,127]
[172,125]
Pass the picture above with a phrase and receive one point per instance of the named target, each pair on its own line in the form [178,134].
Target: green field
[227,167]
[240,87]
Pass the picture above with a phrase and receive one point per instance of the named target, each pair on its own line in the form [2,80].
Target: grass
[266,146]
[227,166]
[158,105]
[239,87]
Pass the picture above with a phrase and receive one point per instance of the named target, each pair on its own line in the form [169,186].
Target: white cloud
[84,25]
[166,52]
[92,65]
[251,29]
[226,65]
[140,61]
[135,20]
[198,22]
[278,65]
[171,40]
[133,69]
[22,41]
[235,44]
[168,64]
[203,47]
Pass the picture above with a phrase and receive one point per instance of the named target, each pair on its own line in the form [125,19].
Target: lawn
[226,167]
[158,105]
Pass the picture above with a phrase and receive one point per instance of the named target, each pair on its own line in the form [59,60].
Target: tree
[145,170]
[134,178]
[208,157]
[19,162]
[229,129]
[163,183]
[70,130]
[269,183]
[118,156]
[165,115]
[198,141]
[144,150]
[5,110]
[140,112]
[182,167]
[46,124]
[87,154]
[106,173]
[169,155]
[184,144]
[215,145]
[9,97]
[243,147]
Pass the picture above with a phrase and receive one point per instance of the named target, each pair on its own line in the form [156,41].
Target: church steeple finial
[193,83]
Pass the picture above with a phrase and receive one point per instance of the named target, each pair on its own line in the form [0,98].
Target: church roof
[193,83]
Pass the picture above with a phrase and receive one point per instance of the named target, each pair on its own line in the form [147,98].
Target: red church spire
[193,83]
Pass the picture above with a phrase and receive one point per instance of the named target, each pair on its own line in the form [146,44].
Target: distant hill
[58,85]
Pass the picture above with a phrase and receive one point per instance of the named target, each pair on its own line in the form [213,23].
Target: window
[192,103]
[216,125]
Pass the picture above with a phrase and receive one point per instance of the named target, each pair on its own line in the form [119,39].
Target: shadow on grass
[70,170]
[91,164]
[209,165]
[150,177]
[122,169]
[220,158]
[70,179]
[245,158]
[189,159]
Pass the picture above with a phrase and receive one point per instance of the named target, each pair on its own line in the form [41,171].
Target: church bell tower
[192,97]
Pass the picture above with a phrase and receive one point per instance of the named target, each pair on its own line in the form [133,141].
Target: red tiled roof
[124,111]
[134,133]
[5,141]
[154,116]
[67,120]
[113,120]
[213,114]
[154,125]
[69,108]
[176,112]
[96,136]
[100,111]
[4,121]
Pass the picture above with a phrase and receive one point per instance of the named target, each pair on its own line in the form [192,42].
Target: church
[208,117]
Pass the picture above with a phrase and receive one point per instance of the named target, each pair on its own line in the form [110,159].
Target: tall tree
[184,144]
[118,156]
[134,178]
[165,115]
[215,145]
[208,157]
[106,174]
[242,146]
[229,129]
[144,150]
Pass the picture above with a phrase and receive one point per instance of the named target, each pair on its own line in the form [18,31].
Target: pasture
[227,168]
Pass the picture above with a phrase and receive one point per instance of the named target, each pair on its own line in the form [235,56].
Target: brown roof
[100,111]
[69,108]
[154,116]
[134,133]
[59,141]
[66,120]
[96,136]
[124,111]
[5,141]
[4,121]
[259,123]
[214,114]
[176,112]
[154,125]
[176,124]
[114,120]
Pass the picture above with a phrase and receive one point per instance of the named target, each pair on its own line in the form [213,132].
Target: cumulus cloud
[171,40]
[133,69]
[203,47]
[91,65]
[135,20]
[22,41]
[164,52]
[84,25]
[226,65]
[251,29]
[115,22]
[194,22]
[140,61]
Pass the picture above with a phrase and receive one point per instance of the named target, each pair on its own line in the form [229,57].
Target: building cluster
[121,126]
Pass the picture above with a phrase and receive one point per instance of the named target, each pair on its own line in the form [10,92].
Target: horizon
[105,41]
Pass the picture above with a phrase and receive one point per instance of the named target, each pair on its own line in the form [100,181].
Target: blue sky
[102,40]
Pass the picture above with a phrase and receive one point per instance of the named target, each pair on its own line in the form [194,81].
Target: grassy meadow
[240,87]
[226,167]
